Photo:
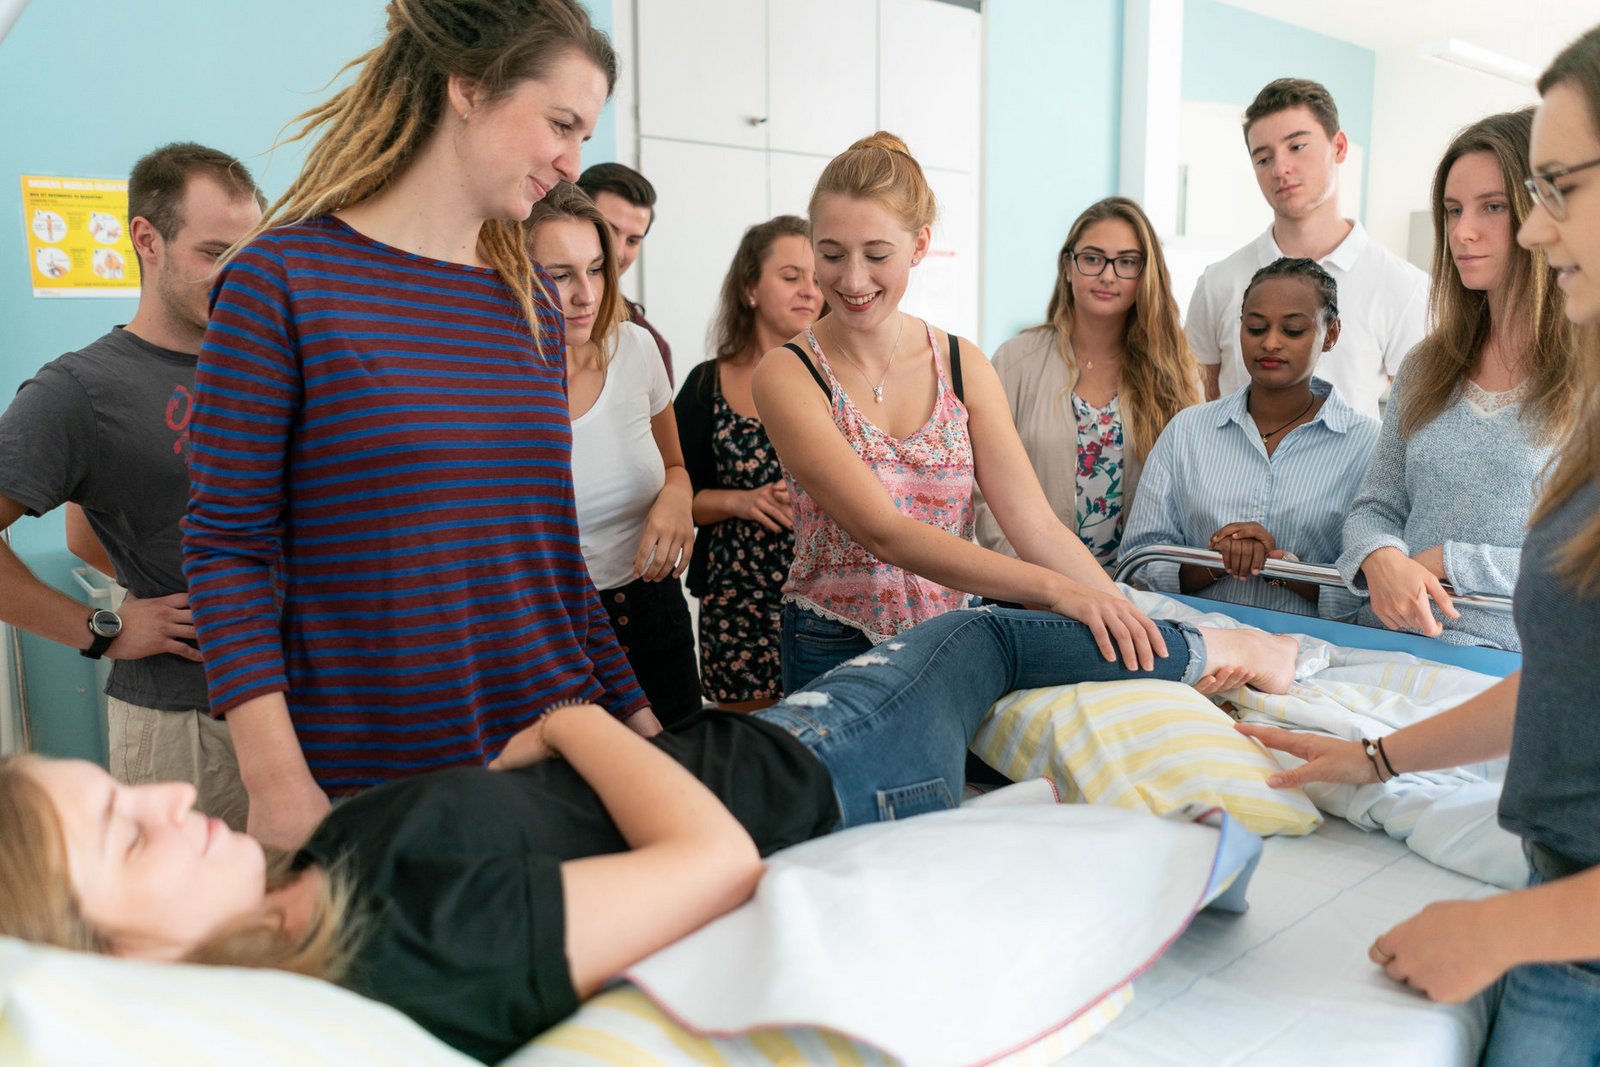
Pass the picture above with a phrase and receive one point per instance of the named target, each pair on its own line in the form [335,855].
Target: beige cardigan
[1038,389]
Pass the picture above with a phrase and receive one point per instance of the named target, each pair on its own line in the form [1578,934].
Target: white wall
[1418,105]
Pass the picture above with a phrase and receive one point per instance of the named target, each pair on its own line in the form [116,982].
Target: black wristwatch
[104,626]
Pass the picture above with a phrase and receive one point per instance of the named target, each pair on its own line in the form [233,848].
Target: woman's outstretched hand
[1327,759]
[1118,627]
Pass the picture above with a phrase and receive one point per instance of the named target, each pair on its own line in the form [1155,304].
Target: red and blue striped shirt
[381,522]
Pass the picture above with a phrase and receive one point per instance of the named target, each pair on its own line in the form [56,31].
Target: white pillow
[65,1009]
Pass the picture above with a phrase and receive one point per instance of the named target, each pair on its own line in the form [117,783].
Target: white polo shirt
[1383,307]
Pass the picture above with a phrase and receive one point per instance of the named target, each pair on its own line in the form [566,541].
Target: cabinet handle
[758,120]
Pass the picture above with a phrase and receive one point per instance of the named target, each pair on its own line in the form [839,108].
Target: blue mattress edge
[1492,661]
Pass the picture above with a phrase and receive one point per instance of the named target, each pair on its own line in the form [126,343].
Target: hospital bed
[1287,981]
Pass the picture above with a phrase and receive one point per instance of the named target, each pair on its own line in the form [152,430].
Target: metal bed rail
[1315,574]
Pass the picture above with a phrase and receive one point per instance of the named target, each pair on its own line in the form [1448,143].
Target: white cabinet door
[822,70]
[791,180]
[929,88]
[703,71]
[706,196]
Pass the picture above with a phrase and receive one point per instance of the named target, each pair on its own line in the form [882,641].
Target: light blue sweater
[1466,481]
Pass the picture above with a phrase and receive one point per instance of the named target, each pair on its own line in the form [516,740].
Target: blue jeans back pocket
[919,799]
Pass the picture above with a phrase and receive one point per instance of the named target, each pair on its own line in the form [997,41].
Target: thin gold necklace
[877,390]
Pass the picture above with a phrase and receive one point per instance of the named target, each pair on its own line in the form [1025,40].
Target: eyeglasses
[1543,187]
[1093,264]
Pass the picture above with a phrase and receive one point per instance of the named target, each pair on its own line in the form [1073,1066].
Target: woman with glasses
[1267,472]
[1534,954]
[1476,409]
[1093,386]
[884,426]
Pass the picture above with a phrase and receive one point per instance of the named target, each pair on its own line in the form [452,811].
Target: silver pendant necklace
[877,390]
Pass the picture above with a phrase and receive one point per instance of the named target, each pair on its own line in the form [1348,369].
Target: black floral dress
[746,568]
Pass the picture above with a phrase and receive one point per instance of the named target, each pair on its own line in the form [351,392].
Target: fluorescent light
[1475,57]
[9,11]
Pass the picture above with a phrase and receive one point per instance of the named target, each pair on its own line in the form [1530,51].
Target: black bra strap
[822,382]
[955,365]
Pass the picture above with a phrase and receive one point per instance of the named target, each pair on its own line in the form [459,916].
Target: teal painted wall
[1052,117]
[1229,54]
[90,86]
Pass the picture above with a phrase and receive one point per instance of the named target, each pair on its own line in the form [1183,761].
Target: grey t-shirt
[107,428]
[1552,788]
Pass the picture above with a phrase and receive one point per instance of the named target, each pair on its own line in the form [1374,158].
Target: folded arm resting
[694,856]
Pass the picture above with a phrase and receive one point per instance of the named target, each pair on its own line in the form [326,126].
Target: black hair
[621,180]
[1311,271]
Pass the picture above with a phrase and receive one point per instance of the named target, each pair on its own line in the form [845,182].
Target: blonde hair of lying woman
[871,218]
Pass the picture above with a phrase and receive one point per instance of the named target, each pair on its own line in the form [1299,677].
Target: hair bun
[885,140]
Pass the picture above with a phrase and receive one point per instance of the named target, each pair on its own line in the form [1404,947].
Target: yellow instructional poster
[78,242]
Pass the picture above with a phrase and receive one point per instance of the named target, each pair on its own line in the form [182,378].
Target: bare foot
[1266,660]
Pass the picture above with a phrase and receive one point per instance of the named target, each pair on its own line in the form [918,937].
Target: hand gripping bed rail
[1134,561]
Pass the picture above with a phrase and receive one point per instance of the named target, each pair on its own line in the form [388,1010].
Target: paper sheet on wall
[78,242]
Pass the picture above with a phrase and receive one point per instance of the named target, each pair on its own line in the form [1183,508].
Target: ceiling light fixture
[1475,57]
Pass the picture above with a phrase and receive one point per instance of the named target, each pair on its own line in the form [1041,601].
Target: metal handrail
[1284,569]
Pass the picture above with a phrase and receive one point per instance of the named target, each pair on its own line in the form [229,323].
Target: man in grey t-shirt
[107,428]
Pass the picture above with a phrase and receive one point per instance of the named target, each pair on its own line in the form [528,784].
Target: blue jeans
[1545,1013]
[892,724]
[810,644]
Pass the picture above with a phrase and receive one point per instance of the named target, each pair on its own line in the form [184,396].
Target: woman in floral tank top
[884,425]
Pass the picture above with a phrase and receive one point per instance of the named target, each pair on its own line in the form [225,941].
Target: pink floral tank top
[928,475]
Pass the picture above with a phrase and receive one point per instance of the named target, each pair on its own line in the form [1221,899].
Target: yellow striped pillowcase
[623,1028]
[1140,744]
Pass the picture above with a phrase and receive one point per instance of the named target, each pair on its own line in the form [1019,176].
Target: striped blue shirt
[1210,468]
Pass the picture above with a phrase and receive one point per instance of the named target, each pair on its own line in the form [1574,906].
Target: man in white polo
[1296,146]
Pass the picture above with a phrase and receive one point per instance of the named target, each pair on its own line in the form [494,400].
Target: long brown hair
[735,328]
[37,903]
[567,201]
[1159,376]
[1462,317]
[1578,66]
[369,132]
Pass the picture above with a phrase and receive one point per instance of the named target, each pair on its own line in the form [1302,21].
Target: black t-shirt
[457,873]
[108,428]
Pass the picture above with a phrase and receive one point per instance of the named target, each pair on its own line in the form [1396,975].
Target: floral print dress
[1100,514]
[740,610]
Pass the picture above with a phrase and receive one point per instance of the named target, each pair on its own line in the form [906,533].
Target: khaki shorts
[148,745]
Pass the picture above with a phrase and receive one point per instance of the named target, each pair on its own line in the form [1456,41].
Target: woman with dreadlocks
[381,547]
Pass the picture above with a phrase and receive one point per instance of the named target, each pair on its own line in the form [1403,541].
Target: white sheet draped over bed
[1448,816]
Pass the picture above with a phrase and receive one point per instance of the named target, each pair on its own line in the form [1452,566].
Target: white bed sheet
[1289,982]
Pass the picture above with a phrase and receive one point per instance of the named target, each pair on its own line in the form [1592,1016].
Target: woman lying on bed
[485,904]
[1534,953]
